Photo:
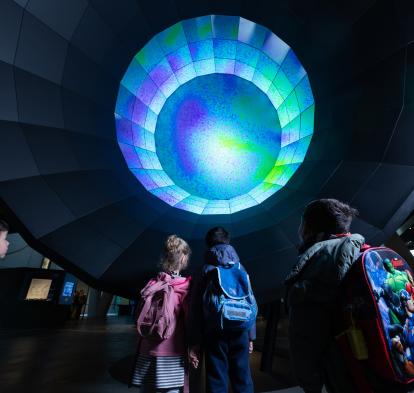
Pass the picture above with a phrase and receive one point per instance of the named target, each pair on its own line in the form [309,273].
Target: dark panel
[61,16]
[380,87]
[118,224]
[400,150]
[40,51]
[116,14]
[335,10]
[37,205]
[376,36]
[266,242]
[348,180]
[312,176]
[384,192]
[70,240]
[229,7]
[290,225]
[409,76]
[93,36]
[270,269]
[251,220]
[22,3]
[328,144]
[16,156]
[405,12]
[140,260]
[84,191]
[191,9]
[87,79]
[51,149]
[10,19]
[368,231]
[8,106]
[97,153]
[285,201]
[85,116]
[159,14]
[38,100]
[378,238]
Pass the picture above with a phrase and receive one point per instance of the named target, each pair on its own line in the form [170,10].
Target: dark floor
[90,357]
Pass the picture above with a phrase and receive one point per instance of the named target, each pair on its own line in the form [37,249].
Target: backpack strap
[143,313]
[149,292]
[168,308]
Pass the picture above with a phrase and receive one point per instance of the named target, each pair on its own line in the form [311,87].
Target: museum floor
[91,357]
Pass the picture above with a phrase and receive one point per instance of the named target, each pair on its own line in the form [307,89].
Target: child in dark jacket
[226,353]
[326,254]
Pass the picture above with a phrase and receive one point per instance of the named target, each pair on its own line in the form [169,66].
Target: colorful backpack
[228,300]
[378,321]
[157,319]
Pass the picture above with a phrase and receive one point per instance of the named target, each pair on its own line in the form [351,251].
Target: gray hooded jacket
[320,269]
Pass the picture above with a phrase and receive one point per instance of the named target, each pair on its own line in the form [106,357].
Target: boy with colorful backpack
[327,252]
[161,361]
[224,316]
[351,308]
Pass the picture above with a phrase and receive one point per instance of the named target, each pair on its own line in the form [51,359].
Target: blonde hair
[175,255]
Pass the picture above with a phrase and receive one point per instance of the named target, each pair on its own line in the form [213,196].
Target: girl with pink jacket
[162,348]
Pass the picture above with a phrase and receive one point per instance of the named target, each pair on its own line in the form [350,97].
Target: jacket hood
[180,285]
[344,242]
[221,255]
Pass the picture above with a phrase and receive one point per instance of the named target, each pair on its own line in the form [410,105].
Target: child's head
[328,216]
[217,235]
[175,255]
[4,244]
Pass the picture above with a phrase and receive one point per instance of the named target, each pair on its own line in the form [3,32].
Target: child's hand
[250,346]
[194,356]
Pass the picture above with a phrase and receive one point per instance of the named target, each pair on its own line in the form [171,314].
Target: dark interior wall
[66,187]
[21,313]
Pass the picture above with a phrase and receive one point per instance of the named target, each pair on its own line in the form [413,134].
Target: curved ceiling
[65,184]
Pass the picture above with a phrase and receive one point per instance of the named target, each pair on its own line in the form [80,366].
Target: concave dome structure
[65,182]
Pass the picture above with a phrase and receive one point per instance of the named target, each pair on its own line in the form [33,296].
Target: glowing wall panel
[214,115]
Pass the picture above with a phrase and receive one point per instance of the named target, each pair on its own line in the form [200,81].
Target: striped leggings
[144,389]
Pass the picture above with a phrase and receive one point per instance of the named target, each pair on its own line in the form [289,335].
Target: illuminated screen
[68,288]
[39,289]
[214,115]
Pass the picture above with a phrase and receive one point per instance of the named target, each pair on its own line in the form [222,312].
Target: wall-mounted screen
[39,289]
[68,288]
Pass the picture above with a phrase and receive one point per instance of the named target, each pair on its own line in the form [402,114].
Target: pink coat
[176,344]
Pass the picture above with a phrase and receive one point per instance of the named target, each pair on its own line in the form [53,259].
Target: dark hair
[4,227]
[217,235]
[329,216]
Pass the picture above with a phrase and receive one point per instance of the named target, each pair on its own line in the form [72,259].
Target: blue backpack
[228,300]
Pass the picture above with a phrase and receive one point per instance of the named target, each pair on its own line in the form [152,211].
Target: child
[4,244]
[160,365]
[226,352]
[326,253]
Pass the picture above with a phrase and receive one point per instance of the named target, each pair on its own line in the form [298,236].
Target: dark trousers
[227,357]
[315,356]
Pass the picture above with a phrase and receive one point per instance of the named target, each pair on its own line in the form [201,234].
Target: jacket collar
[311,251]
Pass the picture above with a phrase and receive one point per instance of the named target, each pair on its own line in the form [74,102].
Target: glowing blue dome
[214,115]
